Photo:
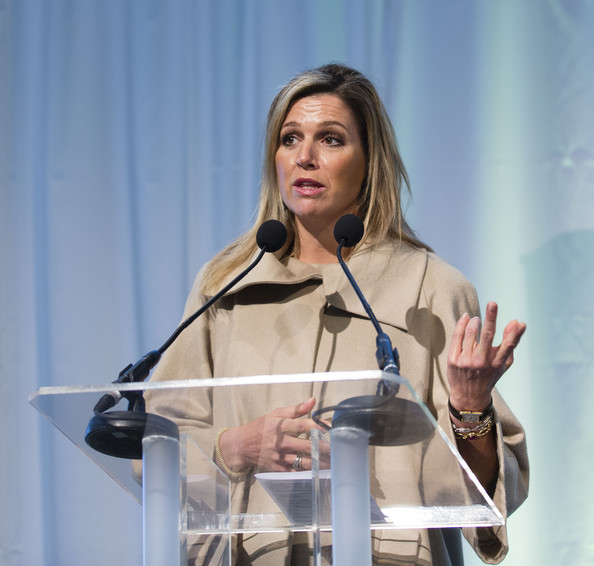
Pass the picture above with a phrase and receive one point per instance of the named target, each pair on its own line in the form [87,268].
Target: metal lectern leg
[161,500]
[351,508]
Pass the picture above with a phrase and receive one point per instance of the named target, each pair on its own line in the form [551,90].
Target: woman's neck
[317,257]
[316,246]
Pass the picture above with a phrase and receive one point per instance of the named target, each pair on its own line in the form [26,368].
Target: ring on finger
[297,462]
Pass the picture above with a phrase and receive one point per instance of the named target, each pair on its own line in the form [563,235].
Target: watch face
[470,417]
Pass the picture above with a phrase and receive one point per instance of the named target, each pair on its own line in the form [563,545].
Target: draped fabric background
[130,149]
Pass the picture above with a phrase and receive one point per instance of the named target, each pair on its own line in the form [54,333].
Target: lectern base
[120,433]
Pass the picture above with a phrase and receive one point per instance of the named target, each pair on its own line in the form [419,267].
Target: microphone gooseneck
[387,419]
[120,433]
[383,419]
[271,237]
[348,232]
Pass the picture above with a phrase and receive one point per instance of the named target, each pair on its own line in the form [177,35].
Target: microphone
[387,419]
[120,433]
[348,232]
[382,419]
[271,237]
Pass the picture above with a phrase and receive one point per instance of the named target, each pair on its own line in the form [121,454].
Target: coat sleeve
[448,294]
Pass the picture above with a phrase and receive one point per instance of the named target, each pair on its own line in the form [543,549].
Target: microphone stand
[120,433]
[358,423]
[136,434]
[387,357]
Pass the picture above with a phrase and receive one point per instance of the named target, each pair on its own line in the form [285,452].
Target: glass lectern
[384,464]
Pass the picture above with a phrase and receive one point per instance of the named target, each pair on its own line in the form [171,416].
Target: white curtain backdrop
[130,150]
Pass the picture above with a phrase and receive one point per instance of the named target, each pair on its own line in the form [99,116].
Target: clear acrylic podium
[409,472]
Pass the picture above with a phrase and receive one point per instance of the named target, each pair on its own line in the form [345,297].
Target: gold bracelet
[472,433]
[219,457]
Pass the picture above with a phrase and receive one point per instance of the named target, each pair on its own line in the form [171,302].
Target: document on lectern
[292,492]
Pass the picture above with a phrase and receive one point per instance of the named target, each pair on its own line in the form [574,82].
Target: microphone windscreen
[272,235]
[349,230]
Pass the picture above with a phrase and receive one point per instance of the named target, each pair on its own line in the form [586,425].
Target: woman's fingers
[511,338]
[271,442]
[295,411]
[291,421]
[303,461]
[458,336]
[283,437]
[487,334]
[471,335]
[474,363]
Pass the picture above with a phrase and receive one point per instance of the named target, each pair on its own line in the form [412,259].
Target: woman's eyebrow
[325,124]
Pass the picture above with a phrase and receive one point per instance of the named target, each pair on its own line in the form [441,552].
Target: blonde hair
[379,204]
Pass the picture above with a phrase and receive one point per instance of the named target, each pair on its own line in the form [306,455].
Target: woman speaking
[330,151]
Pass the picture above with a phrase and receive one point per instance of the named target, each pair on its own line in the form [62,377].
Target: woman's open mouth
[308,187]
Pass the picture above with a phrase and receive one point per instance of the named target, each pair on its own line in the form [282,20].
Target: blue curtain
[130,150]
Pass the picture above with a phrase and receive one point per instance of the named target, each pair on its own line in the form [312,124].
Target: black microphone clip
[389,362]
[130,374]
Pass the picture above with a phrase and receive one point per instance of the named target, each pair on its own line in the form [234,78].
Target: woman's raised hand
[474,364]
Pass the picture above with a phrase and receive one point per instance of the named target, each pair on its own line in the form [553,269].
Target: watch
[471,416]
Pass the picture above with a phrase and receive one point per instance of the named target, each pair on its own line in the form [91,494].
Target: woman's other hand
[273,442]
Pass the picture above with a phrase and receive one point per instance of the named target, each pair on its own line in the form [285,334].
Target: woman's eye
[288,139]
[332,139]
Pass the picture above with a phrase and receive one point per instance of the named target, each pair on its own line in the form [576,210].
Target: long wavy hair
[380,200]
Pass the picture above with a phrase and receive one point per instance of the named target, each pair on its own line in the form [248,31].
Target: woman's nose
[307,158]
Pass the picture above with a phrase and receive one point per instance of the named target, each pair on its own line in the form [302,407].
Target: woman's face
[320,160]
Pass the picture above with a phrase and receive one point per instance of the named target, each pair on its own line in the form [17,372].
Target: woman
[330,151]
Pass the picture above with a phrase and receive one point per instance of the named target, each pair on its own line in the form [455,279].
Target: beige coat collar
[390,276]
